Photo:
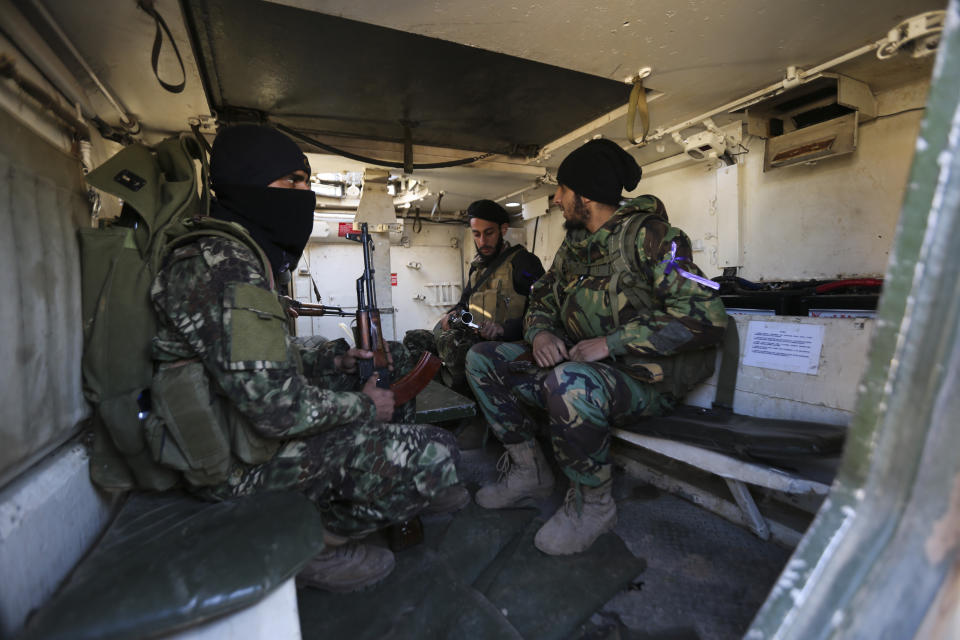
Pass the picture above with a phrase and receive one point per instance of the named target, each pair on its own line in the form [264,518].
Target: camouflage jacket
[214,303]
[681,315]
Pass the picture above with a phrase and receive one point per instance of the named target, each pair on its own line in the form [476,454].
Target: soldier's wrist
[615,343]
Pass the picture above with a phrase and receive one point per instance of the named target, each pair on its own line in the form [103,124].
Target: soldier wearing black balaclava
[292,417]
[261,181]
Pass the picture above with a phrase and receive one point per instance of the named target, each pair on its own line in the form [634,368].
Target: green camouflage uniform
[360,473]
[656,353]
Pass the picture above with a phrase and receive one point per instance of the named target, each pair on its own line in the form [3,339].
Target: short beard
[496,251]
[580,217]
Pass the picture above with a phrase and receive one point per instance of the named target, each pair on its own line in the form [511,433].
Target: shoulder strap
[207,227]
[491,269]
[625,265]
[727,377]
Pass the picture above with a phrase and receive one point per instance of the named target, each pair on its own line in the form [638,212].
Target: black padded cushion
[169,561]
[810,449]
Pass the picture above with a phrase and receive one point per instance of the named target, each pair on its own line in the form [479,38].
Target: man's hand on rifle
[445,320]
[347,363]
[290,305]
[382,398]
[491,330]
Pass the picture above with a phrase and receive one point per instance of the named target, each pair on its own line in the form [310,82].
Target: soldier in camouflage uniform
[496,295]
[294,422]
[613,337]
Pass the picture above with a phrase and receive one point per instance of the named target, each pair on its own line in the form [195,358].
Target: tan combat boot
[524,473]
[347,567]
[572,530]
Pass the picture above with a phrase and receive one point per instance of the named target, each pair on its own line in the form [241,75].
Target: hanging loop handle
[147,6]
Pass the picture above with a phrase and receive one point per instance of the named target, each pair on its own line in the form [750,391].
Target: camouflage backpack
[165,200]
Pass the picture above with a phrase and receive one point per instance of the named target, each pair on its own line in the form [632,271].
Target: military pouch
[248,446]
[257,329]
[187,430]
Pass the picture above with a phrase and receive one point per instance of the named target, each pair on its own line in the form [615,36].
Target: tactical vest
[151,429]
[673,375]
[495,300]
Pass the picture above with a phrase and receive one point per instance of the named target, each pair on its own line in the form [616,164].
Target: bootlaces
[574,499]
[503,466]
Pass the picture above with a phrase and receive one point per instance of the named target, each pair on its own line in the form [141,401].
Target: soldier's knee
[482,351]
[566,375]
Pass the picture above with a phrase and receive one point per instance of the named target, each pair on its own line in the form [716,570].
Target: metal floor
[705,577]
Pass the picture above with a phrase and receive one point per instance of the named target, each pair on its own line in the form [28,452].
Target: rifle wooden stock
[307,309]
[419,377]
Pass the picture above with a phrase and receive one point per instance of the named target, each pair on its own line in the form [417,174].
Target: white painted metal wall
[827,396]
[41,205]
[833,219]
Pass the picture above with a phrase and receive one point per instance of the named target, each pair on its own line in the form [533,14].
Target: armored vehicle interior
[809,150]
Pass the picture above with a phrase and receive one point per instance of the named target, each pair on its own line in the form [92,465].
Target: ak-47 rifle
[370,335]
[308,309]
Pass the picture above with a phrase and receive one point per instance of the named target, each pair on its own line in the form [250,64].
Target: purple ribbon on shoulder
[673,262]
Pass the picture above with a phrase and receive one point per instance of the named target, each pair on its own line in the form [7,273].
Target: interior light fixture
[513,204]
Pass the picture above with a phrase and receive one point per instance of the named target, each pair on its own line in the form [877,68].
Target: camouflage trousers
[577,402]
[452,347]
[361,477]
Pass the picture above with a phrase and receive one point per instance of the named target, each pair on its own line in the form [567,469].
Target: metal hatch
[328,75]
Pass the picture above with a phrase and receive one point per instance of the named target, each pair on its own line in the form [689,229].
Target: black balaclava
[247,158]
[492,212]
[600,170]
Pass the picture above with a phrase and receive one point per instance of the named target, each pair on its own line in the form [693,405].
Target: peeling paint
[945,535]
[837,619]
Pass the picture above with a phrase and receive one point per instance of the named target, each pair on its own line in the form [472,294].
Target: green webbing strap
[624,260]
[730,358]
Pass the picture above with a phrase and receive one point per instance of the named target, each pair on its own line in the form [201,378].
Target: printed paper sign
[784,346]
[393,279]
[344,228]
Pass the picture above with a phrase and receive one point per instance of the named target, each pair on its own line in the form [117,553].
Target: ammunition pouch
[195,431]
[675,375]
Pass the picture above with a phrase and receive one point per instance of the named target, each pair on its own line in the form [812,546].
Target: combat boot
[524,473]
[573,528]
[347,567]
[449,500]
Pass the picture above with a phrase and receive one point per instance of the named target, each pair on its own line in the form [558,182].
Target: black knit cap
[254,155]
[488,210]
[600,170]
